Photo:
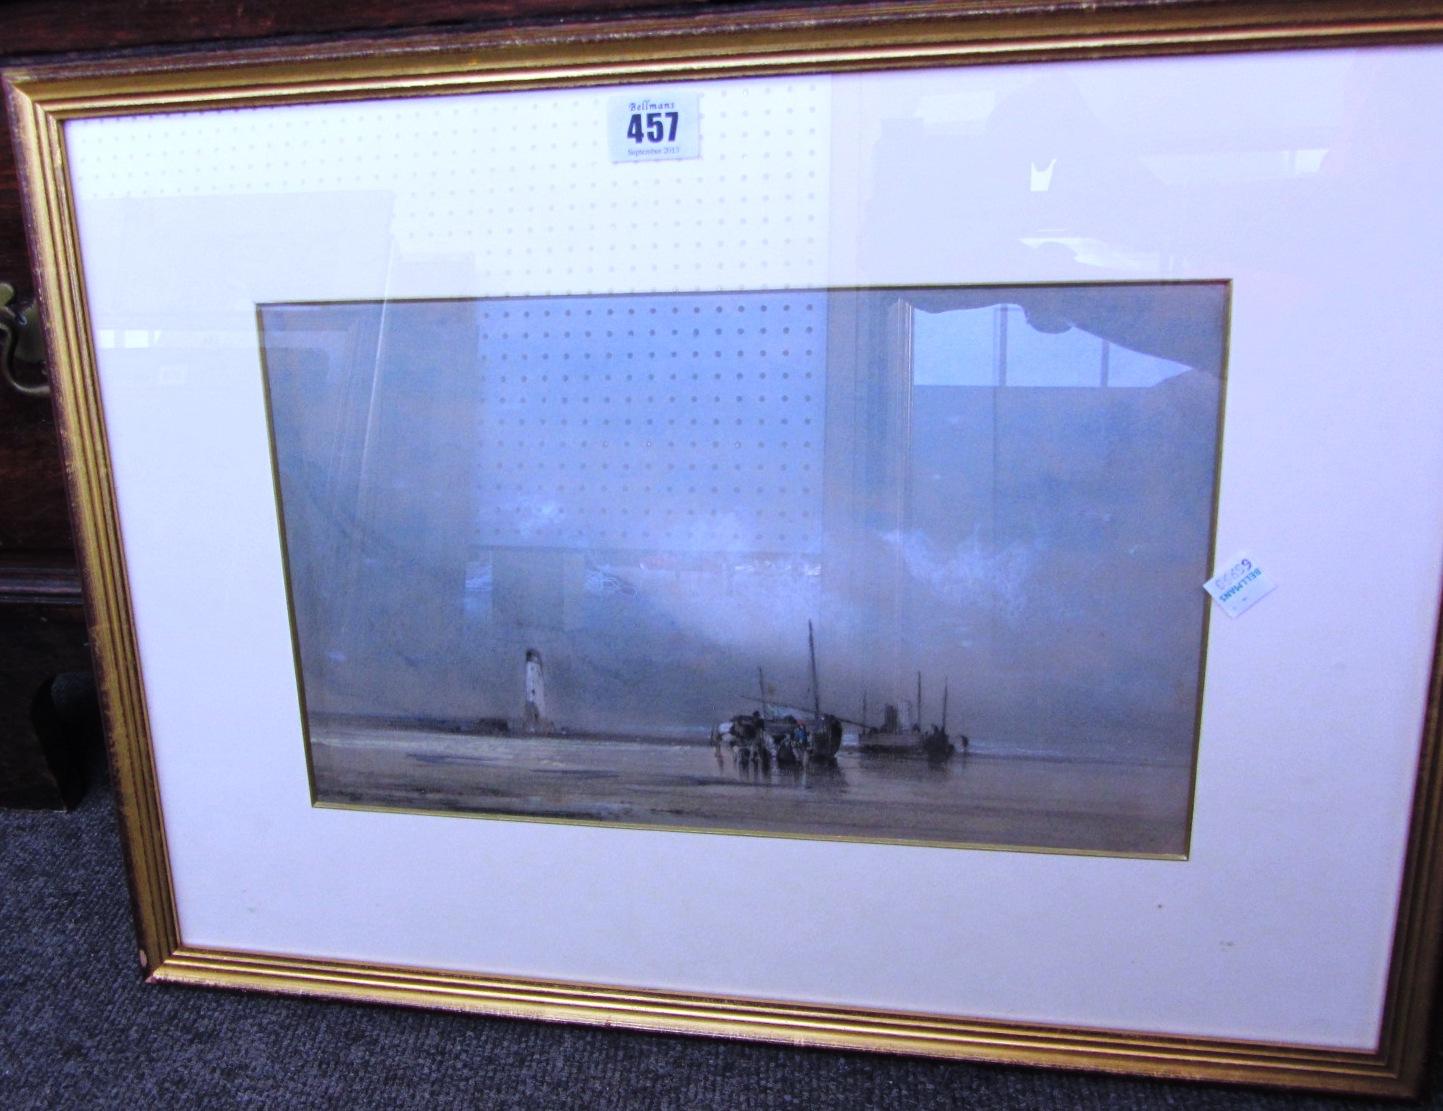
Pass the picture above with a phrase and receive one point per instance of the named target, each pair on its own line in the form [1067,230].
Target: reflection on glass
[648,558]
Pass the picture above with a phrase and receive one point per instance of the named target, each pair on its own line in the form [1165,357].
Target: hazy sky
[659,492]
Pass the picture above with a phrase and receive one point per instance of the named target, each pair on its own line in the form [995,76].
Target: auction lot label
[651,124]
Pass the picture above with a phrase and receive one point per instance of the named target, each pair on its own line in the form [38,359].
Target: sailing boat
[900,734]
[788,738]
[825,731]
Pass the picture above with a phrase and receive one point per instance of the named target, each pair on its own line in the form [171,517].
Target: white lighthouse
[535,720]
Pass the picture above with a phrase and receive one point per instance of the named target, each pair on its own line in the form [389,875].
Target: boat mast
[919,700]
[944,705]
[762,684]
[816,695]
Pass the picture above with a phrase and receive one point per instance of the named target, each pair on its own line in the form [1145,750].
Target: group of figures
[756,741]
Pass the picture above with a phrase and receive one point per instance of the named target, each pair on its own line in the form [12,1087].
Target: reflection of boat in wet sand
[896,736]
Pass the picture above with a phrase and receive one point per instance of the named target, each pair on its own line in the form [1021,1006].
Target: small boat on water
[898,737]
[762,736]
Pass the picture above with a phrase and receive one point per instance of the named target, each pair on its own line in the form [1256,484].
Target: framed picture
[913,527]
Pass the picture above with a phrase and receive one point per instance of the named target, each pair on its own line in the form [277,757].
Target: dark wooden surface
[55,26]
[42,630]
[42,625]
[39,747]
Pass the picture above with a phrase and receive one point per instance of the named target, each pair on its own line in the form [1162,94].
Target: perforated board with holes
[500,194]
[688,423]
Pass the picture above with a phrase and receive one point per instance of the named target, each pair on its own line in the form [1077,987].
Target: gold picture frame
[202,919]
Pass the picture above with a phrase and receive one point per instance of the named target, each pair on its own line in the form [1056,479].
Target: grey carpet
[79,1029]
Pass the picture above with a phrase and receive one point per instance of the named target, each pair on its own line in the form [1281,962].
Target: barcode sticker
[1240,586]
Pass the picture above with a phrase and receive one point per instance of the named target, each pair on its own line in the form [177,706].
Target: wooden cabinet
[42,620]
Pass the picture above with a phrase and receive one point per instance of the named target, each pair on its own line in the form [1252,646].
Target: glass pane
[639,557]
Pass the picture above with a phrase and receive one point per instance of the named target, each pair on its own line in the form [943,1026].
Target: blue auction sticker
[650,124]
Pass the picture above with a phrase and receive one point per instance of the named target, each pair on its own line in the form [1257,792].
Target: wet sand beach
[980,798]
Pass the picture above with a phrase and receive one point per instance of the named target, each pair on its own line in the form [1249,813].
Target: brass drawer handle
[22,340]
